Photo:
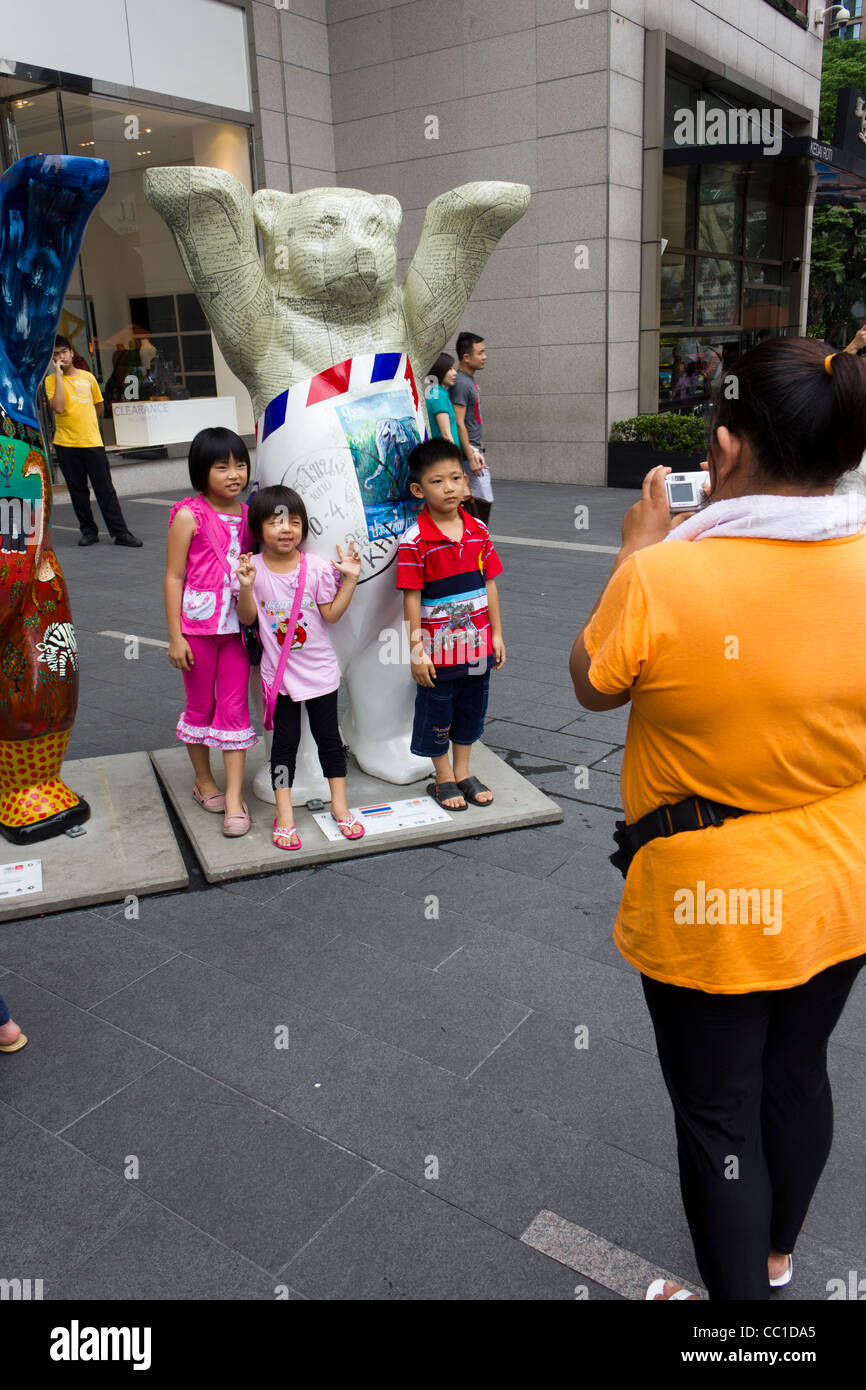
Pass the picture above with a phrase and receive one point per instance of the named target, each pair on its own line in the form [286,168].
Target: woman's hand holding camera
[649,520]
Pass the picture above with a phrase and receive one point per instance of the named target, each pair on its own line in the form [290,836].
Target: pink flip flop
[350,828]
[283,832]
[215,802]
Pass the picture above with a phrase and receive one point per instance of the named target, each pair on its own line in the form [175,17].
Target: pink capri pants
[217,711]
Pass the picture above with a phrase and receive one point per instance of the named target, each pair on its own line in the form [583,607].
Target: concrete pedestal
[128,845]
[517,803]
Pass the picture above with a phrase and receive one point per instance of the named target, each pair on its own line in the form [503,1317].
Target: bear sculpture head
[328,244]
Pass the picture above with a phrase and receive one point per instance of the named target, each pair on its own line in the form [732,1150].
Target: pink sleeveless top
[208,607]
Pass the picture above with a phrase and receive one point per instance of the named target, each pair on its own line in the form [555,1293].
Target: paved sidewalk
[363,1081]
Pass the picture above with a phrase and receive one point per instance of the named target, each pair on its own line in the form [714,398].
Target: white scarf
[771,517]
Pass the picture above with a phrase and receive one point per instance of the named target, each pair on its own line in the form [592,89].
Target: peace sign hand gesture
[350,564]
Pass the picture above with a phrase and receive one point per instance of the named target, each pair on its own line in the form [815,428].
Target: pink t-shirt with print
[312,668]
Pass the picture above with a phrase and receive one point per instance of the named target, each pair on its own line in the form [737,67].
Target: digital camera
[686,491]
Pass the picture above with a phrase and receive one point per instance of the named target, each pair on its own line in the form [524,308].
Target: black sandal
[470,787]
[444,791]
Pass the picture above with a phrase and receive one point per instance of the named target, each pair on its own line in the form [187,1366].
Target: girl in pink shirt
[206,536]
[267,590]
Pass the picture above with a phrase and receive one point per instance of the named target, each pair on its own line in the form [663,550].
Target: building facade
[668,227]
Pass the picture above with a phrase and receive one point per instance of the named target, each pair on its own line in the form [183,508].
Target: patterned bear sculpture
[45,202]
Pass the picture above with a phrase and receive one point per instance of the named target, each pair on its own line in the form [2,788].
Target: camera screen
[681,492]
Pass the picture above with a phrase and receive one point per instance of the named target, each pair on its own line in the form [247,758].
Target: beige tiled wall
[291,74]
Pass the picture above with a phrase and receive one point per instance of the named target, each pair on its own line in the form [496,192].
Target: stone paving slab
[516,803]
[246,1176]
[158,1255]
[395,1242]
[128,845]
[616,1269]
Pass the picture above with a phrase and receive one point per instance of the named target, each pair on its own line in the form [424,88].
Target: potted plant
[637,445]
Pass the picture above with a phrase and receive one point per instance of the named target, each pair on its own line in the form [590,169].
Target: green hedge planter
[639,444]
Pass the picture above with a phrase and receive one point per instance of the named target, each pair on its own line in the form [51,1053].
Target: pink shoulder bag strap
[213,526]
[270,693]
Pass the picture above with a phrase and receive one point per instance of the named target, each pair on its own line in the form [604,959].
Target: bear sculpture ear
[267,204]
[391,209]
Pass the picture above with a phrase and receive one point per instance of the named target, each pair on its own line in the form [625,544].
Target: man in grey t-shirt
[466,399]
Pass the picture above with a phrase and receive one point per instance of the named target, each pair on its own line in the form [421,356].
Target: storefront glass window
[720,208]
[677,299]
[679,186]
[725,283]
[141,331]
[717,291]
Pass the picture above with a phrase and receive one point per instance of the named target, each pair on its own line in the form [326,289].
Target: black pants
[747,1075]
[322,714]
[79,465]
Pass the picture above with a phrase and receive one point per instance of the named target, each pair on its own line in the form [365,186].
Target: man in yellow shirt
[76,401]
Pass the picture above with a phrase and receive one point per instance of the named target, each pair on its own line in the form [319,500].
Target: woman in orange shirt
[744,906]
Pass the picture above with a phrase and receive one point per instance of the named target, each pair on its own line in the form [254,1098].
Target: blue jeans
[4,1012]
[452,711]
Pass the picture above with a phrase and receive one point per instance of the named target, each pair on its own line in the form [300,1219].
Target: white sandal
[657,1287]
[785,1278]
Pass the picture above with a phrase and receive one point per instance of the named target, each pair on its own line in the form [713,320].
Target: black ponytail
[805,425]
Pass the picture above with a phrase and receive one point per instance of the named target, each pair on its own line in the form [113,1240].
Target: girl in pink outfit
[206,536]
[267,586]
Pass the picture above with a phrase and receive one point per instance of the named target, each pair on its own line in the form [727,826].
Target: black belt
[695,813]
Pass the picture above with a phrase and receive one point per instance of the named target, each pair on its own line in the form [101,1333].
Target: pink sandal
[350,828]
[287,834]
[235,824]
[215,801]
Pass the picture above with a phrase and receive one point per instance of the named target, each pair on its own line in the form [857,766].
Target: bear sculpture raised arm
[331,350]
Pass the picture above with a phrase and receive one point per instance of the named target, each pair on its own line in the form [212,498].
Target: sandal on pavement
[283,836]
[470,787]
[16,1046]
[237,825]
[785,1278]
[350,828]
[657,1288]
[446,791]
[215,801]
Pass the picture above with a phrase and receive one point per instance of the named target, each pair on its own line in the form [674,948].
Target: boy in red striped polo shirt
[447,566]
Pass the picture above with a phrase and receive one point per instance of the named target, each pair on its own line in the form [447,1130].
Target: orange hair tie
[828,364]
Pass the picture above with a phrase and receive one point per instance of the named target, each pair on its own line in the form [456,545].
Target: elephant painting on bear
[332,351]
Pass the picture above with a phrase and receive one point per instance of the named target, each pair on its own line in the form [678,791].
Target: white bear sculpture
[332,352]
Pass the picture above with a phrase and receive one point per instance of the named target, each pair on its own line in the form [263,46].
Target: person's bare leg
[339,804]
[199,756]
[445,773]
[461,753]
[234,765]
[9,1033]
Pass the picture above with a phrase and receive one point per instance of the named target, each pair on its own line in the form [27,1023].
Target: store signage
[819,151]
